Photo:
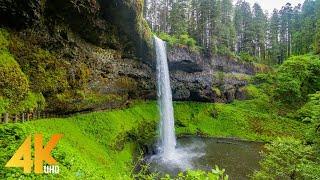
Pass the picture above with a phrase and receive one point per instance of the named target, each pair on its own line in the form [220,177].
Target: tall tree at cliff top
[259,27]
[285,31]
[317,38]
[244,28]
[296,30]
[226,29]
[273,38]
[178,17]
[307,27]
[157,14]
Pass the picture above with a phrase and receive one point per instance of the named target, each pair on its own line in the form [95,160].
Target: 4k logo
[22,157]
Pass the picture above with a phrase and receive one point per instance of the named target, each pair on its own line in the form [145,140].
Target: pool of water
[238,158]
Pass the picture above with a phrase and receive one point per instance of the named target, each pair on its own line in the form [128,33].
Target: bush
[223,50]
[247,57]
[214,174]
[310,112]
[296,78]
[263,78]
[288,159]
[14,84]
[4,35]
[183,39]
[48,74]
[15,95]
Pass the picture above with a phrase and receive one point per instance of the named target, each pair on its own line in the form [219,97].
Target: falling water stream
[168,153]
[167,134]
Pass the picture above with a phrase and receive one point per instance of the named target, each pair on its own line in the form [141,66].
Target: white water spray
[167,133]
[169,156]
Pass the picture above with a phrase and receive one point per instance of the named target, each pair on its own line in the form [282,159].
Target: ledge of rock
[212,79]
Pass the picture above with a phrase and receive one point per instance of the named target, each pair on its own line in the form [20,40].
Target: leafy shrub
[223,50]
[183,39]
[14,84]
[4,35]
[10,138]
[48,74]
[310,112]
[214,174]
[171,40]
[296,78]
[263,78]
[32,102]
[247,57]
[15,94]
[254,93]
[4,103]
[288,159]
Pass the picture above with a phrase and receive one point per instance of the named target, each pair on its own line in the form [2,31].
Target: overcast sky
[271,4]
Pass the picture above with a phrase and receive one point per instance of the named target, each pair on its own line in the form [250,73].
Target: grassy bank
[101,144]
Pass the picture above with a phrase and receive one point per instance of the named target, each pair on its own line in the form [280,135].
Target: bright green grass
[238,120]
[94,146]
[101,145]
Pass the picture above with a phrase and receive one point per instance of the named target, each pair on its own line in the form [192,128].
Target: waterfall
[167,132]
[169,156]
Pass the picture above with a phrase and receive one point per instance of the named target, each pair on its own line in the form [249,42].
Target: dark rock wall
[213,79]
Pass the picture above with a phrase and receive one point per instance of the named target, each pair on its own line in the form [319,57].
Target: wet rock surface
[213,79]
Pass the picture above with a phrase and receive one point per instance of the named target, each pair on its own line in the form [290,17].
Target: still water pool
[238,158]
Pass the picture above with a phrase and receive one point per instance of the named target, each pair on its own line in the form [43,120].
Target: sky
[269,5]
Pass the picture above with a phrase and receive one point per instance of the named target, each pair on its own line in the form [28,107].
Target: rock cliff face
[81,55]
[96,54]
[214,79]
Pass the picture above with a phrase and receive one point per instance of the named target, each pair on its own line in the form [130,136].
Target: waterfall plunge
[169,156]
[167,133]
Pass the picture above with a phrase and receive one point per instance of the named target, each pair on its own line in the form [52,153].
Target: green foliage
[310,112]
[247,57]
[288,159]
[178,17]
[296,78]
[224,51]
[254,93]
[14,84]
[32,102]
[216,91]
[10,138]
[254,119]
[183,39]
[4,103]
[4,35]
[317,36]
[186,40]
[47,72]
[214,174]
[94,146]
[15,95]
[75,101]
[263,78]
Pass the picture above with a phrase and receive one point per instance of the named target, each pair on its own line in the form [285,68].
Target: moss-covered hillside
[71,56]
